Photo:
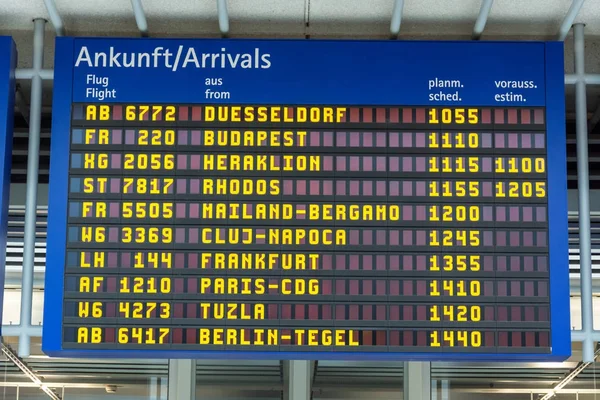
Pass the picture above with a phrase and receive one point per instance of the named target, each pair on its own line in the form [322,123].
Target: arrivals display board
[8,63]
[300,199]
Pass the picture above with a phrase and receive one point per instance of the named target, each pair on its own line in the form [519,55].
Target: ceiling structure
[312,20]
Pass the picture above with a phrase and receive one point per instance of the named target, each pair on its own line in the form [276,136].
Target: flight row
[255,312]
[289,190]
[307,141]
[276,165]
[292,115]
[301,213]
[282,338]
[303,238]
[352,263]
[359,289]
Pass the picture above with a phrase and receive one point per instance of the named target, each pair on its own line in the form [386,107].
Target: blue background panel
[8,63]
[496,74]
[309,72]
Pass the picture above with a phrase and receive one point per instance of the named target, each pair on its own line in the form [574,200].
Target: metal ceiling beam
[140,17]
[9,353]
[484,12]
[524,391]
[223,17]
[55,17]
[575,286]
[17,330]
[13,277]
[579,335]
[565,27]
[570,376]
[590,79]
[396,18]
[29,73]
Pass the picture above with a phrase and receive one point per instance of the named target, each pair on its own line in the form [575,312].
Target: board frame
[557,209]
[8,64]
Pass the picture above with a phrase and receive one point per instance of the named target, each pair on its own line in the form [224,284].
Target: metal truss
[22,365]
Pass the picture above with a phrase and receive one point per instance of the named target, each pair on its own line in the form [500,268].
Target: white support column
[417,380]
[299,380]
[182,380]
[153,388]
[445,389]
[164,387]
[583,185]
[33,156]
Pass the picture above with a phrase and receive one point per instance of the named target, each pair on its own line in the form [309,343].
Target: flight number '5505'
[146,210]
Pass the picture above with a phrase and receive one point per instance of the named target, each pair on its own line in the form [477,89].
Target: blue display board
[8,63]
[295,199]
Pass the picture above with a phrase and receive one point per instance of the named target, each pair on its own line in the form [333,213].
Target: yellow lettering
[312,337]
[88,185]
[340,237]
[104,113]
[339,338]
[232,336]
[103,136]
[275,138]
[249,114]
[352,338]
[209,162]
[218,336]
[234,163]
[299,333]
[89,135]
[244,337]
[82,262]
[235,114]
[262,114]
[204,336]
[315,114]
[326,338]
[261,136]
[89,160]
[209,138]
[275,114]
[82,335]
[86,207]
[93,234]
[90,115]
